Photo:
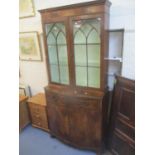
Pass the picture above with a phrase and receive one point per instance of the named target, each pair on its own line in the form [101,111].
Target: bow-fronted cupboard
[76,44]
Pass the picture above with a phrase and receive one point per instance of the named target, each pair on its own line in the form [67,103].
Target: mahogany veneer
[77,114]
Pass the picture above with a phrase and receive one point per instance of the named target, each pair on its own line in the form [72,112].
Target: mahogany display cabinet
[76,44]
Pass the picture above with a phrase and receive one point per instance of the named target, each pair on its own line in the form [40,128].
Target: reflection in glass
[93,77]
[81,76]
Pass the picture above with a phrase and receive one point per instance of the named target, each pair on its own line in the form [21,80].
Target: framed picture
[26,8]
[29,46]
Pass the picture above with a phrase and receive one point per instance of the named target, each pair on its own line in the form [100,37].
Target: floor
[33,141]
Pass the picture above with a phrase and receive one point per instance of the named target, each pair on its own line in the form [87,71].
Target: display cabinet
[76,45]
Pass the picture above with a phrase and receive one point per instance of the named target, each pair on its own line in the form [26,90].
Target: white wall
[122,16]
[34,74]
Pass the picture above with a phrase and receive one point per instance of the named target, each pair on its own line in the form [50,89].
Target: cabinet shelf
[87,44]
[114,59]
[113,73]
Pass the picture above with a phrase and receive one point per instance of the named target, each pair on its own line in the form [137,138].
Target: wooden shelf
[114,59]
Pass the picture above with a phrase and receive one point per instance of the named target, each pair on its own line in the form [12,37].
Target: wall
[121,16]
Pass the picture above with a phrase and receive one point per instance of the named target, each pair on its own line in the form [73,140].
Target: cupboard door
[58,120]
[122,123]
[80,133]
[57,52]
[87,52]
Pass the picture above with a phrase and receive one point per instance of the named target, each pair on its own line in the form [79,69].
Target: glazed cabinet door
[57,51]
[87,50]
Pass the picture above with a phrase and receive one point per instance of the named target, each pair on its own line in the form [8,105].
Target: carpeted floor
[33,141]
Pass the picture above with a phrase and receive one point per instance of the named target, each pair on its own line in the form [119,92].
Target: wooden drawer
[88,103]
[38,115]
[121,144]
[53,98]
[40,123]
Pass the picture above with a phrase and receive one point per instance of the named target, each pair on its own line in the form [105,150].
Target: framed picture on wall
[29,46]
[26,8]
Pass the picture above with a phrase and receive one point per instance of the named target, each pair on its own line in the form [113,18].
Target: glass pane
[95,24]
[62,52]
[54,73]
[61,38]
[48,28]
[64,75]
[57,52]
[80,55]
[52,55]
[61,27]
[93,77]
[87,52]
[55,30]
[93,37]
[94,55]
[81,76]
[86,28]
[51,39]
[79,38]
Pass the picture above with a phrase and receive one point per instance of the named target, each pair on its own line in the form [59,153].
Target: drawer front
[39,121]
[126,128]
[53,98]
[34,108]
[121,145]
[38,115]
[88,102]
